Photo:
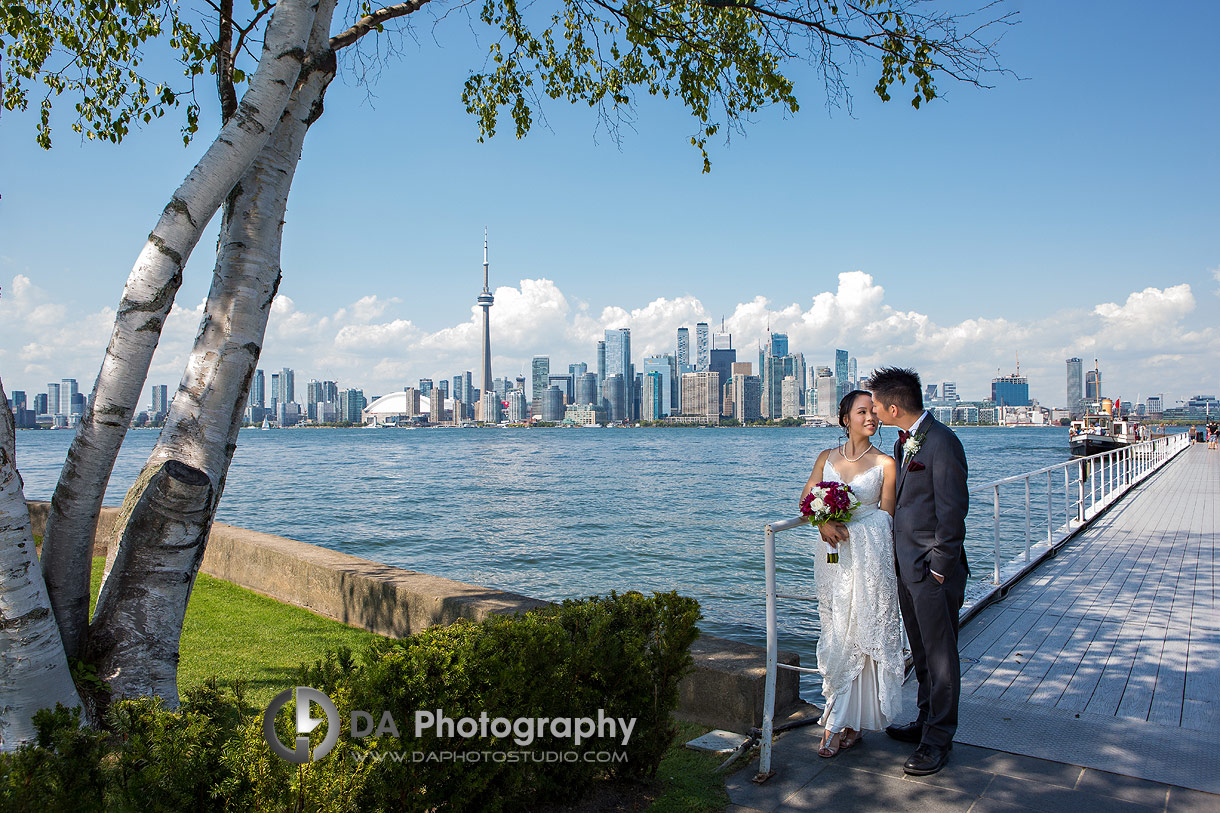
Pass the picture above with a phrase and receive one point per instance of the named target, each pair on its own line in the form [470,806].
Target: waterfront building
[1075,385]
[520,383]
[351,405]
[552,404]
[827,405]
[40,403]
[485,301]
[701,395]
[747,394]
[258,390]
[566,385]
[614,398]
[516,406]
[1154,405]
[540,375]
[275,390]
[929,395]
[969,414]
[721,362]
[327,411]
[666,367]
[459,399]
[948,392]
[425,387]
[586,390]
[791,398]
[53,399]
[287,386]
[501,386]
[618,362]
[841,387]
[289,414]
[577,370]
[703,359]
[442,386]
[777,345]
[651,399]
[67,391]
[683,346]
[772,377]
[1010,390]
[794,365]
[601,363]
[436,407]
[943,414]
[584,414]
[411,401]
[1203,406]
[852,379]
[159,402]
[490,407]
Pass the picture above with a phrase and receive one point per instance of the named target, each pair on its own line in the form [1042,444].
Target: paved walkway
[1093,686]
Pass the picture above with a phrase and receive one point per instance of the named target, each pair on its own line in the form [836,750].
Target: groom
[929,531]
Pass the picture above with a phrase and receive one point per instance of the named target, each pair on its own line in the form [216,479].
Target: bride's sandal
[831,745]
[851,738]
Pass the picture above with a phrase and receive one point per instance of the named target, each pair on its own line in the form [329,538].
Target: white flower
[911,447]
[818,505]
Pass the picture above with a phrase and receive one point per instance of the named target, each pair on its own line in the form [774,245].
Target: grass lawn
[234,633]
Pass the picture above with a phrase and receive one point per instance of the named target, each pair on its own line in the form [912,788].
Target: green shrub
[624,654]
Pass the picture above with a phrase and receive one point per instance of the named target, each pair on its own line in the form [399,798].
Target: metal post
[1050,514]
[1027,519]
[1067,498]
[996,507]
[1080,509]
[764,762]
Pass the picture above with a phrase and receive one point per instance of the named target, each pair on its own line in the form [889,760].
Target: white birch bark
[146,301]
[33,669]
[150,572]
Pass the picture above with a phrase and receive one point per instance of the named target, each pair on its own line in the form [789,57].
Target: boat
[1099,431]
[266,424]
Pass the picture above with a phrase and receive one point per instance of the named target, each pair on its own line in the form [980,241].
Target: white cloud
[1154,340]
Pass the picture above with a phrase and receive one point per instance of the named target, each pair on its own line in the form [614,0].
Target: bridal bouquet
[826,502]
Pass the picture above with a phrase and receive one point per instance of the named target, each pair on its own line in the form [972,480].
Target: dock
[1093,685]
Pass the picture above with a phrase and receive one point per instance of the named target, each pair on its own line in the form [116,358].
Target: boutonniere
[911,447]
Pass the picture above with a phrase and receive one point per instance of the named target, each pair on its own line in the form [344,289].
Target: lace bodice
[866,485]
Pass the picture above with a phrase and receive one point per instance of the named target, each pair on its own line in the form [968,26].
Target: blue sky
[1071,212]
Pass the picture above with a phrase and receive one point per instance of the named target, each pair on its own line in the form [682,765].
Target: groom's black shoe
[911,732]
[927,759]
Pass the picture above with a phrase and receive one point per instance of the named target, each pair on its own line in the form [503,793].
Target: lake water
[563,513]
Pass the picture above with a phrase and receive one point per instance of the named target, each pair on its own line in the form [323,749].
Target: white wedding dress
[860,649]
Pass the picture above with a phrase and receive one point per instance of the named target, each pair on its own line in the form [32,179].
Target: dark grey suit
[929,532]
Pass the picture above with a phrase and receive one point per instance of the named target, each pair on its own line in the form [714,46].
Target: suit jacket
[932,501]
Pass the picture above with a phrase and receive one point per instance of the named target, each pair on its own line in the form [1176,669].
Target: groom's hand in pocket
[833,533]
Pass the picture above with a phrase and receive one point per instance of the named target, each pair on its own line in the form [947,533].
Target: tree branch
[370,22]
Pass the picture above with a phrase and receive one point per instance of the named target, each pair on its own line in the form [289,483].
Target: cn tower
[485,302]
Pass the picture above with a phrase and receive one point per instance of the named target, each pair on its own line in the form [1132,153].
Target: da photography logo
[305,724]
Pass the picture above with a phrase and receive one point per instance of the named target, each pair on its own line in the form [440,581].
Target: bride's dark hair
[846,404]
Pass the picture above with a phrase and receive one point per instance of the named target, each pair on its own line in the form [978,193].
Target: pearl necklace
[843,452]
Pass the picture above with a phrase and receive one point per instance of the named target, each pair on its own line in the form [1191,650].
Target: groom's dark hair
[898,385]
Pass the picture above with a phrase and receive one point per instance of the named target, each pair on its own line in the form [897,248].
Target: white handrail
[1122,468]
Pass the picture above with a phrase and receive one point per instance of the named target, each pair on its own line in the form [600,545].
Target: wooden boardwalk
[1108,656]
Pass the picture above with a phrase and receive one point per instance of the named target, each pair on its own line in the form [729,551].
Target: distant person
[1192,435]
[860,647]
[1213,429]
[931,501]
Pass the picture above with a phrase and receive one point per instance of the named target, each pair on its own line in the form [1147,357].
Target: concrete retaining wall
[725,690]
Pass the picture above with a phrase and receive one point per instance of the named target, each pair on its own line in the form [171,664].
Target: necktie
[902,436]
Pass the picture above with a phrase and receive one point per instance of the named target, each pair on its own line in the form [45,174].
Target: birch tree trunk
[33,669]
[146,301]
[151,571]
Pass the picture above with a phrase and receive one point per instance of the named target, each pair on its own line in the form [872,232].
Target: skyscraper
[601,363]
[425,387]
[1010,390]
[258,390]
[67,392]
[683,346]
[586,390]
[1092,386]
[485,302]
[1075,385]
[540,374]
[655,390]
[160,401]
[287,393]
[614,398]
[53,400]
[702,347]
[663,366]
[701,395]
[841,373]
[618,362]
[790,397]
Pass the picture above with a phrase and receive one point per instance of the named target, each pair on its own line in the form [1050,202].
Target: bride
[860,647]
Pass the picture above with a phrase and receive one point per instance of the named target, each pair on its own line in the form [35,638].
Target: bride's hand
[833,533]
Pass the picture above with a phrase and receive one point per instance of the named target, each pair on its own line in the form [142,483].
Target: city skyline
[1051,216]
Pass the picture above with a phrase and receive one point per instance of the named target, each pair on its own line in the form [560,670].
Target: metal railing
[1099,481]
